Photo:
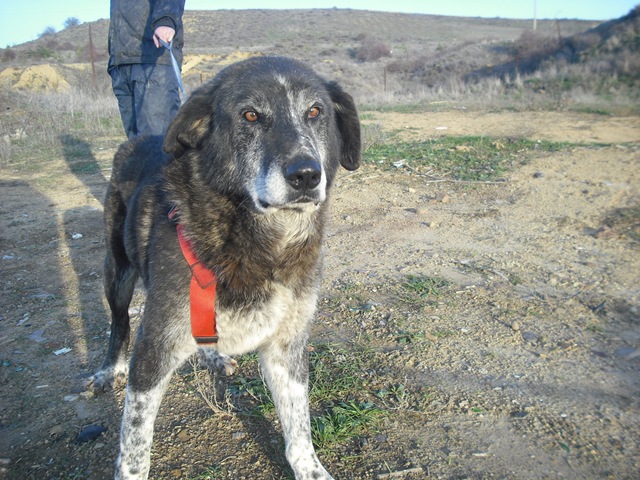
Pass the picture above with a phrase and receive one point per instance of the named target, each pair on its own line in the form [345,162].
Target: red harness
[202,294]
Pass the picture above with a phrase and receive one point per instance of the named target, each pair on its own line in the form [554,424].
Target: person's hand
[163,33]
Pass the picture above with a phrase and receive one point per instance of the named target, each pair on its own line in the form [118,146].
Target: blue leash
[176,67]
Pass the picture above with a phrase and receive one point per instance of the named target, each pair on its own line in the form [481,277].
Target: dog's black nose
[303,174]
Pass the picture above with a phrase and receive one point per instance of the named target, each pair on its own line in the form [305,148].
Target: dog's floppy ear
[348,125]
[190,125]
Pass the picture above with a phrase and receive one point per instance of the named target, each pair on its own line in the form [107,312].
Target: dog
[245,168]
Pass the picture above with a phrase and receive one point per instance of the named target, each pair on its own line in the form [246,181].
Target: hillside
[353,46]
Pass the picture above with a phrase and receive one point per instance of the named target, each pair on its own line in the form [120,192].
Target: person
[142,76]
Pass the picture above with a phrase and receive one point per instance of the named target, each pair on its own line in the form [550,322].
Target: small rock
[37,336]
[412,190]
[90,433]
[76,236]
[628,353]
[42,296]
[422,211]
[443,198]
[538,175]
[55,431]
[529,337]
[515,326]
[177,473]
[183,436]
[519,414]
[380,438]
[238,435]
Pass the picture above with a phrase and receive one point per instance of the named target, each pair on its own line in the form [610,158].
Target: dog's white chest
[245,329]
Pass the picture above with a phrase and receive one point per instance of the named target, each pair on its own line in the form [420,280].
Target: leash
[176,67]
[202,292]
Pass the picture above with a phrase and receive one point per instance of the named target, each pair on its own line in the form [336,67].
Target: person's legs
[156,97]
[122,88]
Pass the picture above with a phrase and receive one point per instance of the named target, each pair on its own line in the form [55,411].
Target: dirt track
[526,367]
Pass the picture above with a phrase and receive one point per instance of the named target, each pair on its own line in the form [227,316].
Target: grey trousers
[148,97]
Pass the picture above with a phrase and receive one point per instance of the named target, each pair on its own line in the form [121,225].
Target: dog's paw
[106,379]
[217,362]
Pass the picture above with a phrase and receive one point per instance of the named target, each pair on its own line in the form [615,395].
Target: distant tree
[47,31]
[71,22]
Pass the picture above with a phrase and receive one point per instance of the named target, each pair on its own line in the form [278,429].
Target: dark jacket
[131,31]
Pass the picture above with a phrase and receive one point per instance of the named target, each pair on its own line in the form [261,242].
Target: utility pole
[535,14]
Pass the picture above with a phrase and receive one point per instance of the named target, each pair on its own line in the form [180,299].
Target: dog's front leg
[153,362]
[136,432]
[286,369]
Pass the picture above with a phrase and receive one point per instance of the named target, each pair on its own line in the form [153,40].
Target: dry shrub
[371,50]
[532,48]
[8,55]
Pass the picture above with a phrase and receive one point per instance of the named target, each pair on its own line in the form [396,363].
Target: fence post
[385,79]
[93,63]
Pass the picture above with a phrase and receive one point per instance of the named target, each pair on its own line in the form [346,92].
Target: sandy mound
[34,78]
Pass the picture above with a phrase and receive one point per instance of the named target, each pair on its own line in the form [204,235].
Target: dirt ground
[525,367]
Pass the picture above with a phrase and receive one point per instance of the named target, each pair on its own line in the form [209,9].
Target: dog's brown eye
[251,116]
[313,112]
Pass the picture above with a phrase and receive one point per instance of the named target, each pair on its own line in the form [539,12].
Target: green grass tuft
[425,286]
[343,422]
[464,158]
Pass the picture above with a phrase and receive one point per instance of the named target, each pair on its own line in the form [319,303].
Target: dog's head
[269,132]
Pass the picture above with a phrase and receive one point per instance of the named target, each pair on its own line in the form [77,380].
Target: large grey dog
[247,165]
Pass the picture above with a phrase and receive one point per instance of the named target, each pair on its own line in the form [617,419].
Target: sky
[22,20]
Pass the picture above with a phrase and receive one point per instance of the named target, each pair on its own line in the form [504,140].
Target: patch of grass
[335,373]
[393,395]
[466,158]
[443,333]
[255,390]
[593,111]
[343,422]
[84,167]
[425,286]
[337,392]
[405,338]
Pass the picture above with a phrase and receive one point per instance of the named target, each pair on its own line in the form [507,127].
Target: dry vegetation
[397,59]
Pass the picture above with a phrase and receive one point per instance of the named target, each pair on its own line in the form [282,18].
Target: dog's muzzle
[299,183]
